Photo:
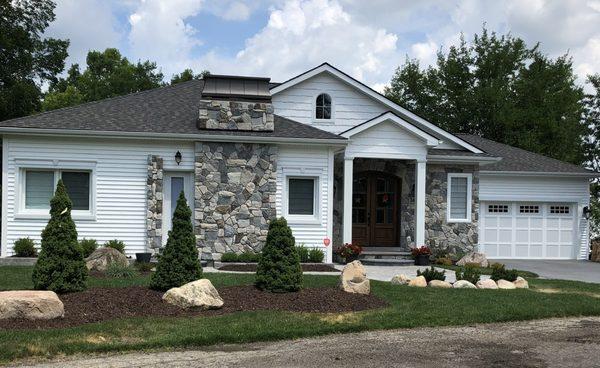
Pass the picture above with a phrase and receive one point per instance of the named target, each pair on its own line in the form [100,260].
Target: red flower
[422,250]
[348,250]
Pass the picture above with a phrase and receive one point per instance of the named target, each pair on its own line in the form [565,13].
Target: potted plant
[349,252]
[143,257]
[421,255]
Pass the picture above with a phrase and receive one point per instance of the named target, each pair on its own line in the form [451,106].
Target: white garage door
[528,230]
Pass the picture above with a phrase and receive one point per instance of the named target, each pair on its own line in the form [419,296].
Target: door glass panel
[380,216]
[176,189]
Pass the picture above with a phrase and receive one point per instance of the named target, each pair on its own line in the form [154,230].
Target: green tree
[592,143]
[279,269]
[188,75]
[178,262]
[501,89]
[28,59]
[108,74]
[60,266]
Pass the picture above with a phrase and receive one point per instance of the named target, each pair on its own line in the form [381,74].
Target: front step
[385,256]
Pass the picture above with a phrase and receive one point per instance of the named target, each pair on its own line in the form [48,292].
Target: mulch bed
[252,268]
[102,304]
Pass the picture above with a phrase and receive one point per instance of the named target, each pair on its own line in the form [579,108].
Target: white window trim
[469,196]
[314,108]
[55,166]
[303,219]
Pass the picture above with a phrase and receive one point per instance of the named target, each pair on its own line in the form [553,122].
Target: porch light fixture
[178,157]
[586,212]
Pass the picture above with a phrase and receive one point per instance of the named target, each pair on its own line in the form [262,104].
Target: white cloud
[237,10]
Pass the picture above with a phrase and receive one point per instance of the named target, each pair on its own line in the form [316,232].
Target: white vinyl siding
[539,190]
[120,167]
[459,197]
[313,163]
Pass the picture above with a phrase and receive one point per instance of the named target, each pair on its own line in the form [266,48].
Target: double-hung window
[459,197]
[38,186]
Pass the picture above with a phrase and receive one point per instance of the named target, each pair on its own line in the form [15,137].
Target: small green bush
[279,268]
[303,253]
[118,271]
[88,246]
[116,244]
[468,273]
[432,274]
[444,261]
[25,247]
[144,266]
[316,255]
[229,257]
[248,257]
[499,272]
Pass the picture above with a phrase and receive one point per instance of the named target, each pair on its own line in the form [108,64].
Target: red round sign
[326,241]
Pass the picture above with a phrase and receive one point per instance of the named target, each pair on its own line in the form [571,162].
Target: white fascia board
[169,136]
[543,174]
[376,96]
[430,140]
[462,159]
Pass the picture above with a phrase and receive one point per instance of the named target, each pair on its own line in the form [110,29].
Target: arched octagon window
[323,106]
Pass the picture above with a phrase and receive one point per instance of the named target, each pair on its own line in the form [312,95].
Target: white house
[335,158]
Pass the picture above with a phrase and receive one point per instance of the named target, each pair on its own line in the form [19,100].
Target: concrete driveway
[567,270]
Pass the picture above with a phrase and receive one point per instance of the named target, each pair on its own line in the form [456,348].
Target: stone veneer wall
[438,233]
[154,202]
[232,115]
[235,188]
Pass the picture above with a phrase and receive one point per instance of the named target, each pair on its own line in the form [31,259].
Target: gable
[295,97]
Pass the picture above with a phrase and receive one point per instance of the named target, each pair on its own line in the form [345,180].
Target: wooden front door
[375,202]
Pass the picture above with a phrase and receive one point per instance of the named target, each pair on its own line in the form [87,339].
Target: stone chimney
[236,103]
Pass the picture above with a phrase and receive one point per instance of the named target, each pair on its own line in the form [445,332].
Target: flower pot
[143,257]
[422,260]
[351,258]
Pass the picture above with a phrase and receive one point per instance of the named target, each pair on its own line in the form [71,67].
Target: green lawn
[488,271]
[409,307]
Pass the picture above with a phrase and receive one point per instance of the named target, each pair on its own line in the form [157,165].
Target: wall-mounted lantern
[587,212]
[178,157]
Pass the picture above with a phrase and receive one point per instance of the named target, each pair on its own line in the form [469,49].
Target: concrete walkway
[566,270]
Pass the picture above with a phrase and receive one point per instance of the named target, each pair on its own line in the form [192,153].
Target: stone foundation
[438,232]
[235,188]
[154,202]
[232,115]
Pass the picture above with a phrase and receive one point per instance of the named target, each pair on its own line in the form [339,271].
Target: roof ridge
[91,103]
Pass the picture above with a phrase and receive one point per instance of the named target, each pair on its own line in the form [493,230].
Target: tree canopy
[188,75]
[107,74]
[28,60]
[498,87]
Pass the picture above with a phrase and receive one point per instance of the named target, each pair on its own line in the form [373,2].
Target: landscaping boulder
[418,281]
[504,284]
[464,284]
[595,253]
[474,258]
[200,293]
[521,283]
[354,279]
[29,304]
[486,284]
[101,258]
[400,280]
[440,284]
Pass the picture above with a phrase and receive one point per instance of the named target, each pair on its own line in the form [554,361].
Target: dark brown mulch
[102,304]
[252,268]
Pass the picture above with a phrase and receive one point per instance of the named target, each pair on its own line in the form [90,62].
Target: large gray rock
[200,293]
[354,279]
[440,284]
[504,284]
[521,283]
[487,284]
[418,281]
[400,279]
[103,257]
[474,257]
[30,304]
[464,284]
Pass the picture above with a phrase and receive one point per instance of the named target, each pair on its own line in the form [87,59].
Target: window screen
[78,188]
[301,194]
[458,198]
[39,188]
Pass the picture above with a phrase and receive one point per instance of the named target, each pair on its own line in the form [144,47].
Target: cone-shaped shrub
[279,269]
[60,266]
[178,262]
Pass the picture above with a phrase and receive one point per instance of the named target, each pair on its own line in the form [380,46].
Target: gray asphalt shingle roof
[171,109]
[517,159]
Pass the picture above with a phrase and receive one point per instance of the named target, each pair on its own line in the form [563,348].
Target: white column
[420,175]
[348,174]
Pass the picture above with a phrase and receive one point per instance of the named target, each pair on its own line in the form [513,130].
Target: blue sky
[282,38]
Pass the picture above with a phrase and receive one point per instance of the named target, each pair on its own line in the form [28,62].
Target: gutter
[590,174]
[466,159]
[170,136]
